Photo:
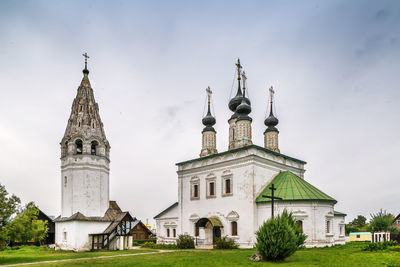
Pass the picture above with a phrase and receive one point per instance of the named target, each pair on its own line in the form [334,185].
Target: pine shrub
[185,242]
[279,238]
[225,243]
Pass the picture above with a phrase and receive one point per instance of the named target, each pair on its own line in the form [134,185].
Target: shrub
[141,241]
[134,243]
[379,246]
[148,244]
[158,246]
[278,238]
[185,242]
[225,243]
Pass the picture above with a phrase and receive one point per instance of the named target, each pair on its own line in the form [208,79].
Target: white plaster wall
[251,170]
[84,185]
[77,234]
[339,221]
[169,219]
[313,215]
[240,201]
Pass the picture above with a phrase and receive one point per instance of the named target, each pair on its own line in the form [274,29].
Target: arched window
[93,147]
[234,228]
[79,146]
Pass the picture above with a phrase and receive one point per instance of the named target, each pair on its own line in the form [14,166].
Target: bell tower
[85,156]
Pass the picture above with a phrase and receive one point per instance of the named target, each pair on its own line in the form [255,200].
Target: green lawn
[34,254]
[348,255]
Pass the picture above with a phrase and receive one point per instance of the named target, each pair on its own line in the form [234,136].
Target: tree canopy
[24,226]
[9,205]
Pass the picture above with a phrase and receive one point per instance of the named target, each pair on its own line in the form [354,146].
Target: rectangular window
[212,189]
[234,228]
[196,190]
[328,227]
[358,236]
[174,232]
[167,232]
[196,231]
[227,186]
[65,236]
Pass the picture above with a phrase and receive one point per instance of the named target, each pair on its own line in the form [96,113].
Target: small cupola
[244,109]
[271,133]
[209,142]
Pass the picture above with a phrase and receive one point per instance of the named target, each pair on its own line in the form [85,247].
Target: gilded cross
[86,57]
[239,67]
[244,77]
[209,92]
[271,93]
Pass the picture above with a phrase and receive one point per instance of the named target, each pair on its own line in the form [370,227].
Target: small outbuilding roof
[290,187]
[360,233]
[338,213]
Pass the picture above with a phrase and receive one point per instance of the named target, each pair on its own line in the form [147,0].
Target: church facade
[222,194]
[88,220]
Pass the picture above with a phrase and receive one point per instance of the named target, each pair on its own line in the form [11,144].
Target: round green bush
[225,243]
[185,241]
[279,238]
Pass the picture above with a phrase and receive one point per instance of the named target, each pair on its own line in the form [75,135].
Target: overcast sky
[334,66]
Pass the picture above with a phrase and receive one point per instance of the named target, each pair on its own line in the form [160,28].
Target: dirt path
[90,258]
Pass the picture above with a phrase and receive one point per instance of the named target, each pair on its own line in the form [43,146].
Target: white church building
[222,194]
[88,220]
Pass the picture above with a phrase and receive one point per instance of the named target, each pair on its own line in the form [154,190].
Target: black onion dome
[243,110]
[85,71]
[235,102]
[271,122]
[208,120]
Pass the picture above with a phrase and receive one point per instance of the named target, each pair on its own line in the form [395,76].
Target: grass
[33,254]
[348,255]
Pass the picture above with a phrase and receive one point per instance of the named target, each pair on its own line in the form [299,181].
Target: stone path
[90,258]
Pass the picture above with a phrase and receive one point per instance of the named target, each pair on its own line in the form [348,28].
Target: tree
[9,205]
[26,227]
[279,237]
[381,222]
[358,224]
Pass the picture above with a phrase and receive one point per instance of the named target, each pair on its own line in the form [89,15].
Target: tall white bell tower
[85,157]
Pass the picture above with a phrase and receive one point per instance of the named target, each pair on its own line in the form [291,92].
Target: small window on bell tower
[79,146]
[93,148]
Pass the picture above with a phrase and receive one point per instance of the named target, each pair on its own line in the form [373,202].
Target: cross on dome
[271,93]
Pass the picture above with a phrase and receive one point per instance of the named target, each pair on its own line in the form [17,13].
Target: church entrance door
[216,233]
[212,230]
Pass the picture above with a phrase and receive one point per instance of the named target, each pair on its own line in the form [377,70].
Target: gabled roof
[290,187]
[135,223]
[396,218]
[239,149]
[123,216]
[167,209]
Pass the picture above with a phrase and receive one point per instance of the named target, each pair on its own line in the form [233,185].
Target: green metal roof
[338,213]
[290,187]
[167,209]
[239,149]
